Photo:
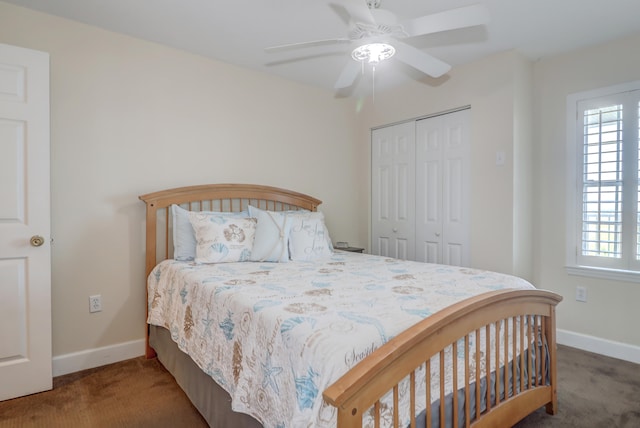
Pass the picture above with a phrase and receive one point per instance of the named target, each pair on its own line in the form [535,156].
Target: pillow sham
[184,238]
[272,234]
[309,238]
[222,239]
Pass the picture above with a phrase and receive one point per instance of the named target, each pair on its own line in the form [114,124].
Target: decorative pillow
[309,238]
[184,238]
[222,239]
[272,234]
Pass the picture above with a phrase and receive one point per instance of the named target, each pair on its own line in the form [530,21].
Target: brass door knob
[37,240]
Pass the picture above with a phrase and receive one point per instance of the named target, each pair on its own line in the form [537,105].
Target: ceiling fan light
[373,52]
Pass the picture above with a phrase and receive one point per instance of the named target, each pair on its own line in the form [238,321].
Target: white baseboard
[609,348]
[76,361]
[90,358]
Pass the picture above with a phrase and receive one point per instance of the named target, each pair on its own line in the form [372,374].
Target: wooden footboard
[509,395]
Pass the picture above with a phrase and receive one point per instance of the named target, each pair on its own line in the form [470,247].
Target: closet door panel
[429,251]
[454,255]
[429,145]
[381,173]
[456,215]
[382,244]
[393,189]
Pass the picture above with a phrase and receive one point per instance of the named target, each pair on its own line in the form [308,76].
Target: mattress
[275,335]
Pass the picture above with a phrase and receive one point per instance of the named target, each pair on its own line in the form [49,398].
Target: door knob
[36,240]
[437,233]
[395,230]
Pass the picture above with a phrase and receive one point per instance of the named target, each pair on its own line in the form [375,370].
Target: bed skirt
[213,402]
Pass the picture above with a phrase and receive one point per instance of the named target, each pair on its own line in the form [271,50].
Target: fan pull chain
[373,83]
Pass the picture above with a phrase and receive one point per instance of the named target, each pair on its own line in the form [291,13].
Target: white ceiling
[237,31]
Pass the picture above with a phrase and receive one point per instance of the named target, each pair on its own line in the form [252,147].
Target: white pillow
[222,239]
[309,238]
[184,238]
[272,234]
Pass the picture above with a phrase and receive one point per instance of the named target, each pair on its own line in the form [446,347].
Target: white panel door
[25,263]
[456,197]
[429,166]
[442,190]
[393,189]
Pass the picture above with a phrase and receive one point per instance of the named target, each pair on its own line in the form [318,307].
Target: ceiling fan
[377,35]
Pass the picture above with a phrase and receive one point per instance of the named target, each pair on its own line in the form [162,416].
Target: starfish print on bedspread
[208,322]
[270,372]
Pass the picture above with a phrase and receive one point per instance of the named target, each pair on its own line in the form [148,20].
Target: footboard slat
[454,369]
[427,372]
[543,341]
[506,357]
[442,402]
[382,371]
[514,343]
[530,361]
[467,377]
[497,360]
[396,408]
[478,396]
[487,358]
[413,399]
[522,372]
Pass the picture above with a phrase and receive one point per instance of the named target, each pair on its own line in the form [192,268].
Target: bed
[342,339]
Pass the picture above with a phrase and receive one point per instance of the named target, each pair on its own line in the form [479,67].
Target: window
[604,217]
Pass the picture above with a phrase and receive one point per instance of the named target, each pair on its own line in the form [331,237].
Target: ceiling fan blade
[462,17]
[358,10]
[348,75]
[305,45]
[420,60]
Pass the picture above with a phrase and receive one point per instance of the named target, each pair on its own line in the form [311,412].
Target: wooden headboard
[209,197]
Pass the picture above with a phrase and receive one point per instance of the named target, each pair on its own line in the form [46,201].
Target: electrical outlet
[95,303]
[581,294]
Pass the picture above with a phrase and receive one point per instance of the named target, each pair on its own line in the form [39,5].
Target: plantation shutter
[609,232]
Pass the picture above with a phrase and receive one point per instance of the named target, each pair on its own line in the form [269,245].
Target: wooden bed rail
[362,387]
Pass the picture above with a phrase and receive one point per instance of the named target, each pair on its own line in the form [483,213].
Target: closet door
[442,189]
[393,191]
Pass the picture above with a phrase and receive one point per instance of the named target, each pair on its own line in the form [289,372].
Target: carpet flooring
[594,391]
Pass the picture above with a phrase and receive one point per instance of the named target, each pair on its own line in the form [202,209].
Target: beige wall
[490,87]
[612,309]
[129,117]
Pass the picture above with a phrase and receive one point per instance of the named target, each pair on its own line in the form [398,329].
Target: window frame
[626,268]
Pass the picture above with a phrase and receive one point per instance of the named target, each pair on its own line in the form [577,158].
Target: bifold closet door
[442,189]
[393,191]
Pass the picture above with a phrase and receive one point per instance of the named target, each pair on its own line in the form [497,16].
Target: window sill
[604,273]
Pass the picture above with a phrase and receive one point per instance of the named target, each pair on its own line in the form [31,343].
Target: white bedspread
[275,335]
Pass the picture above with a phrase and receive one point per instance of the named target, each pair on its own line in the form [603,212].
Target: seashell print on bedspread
[275,335]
